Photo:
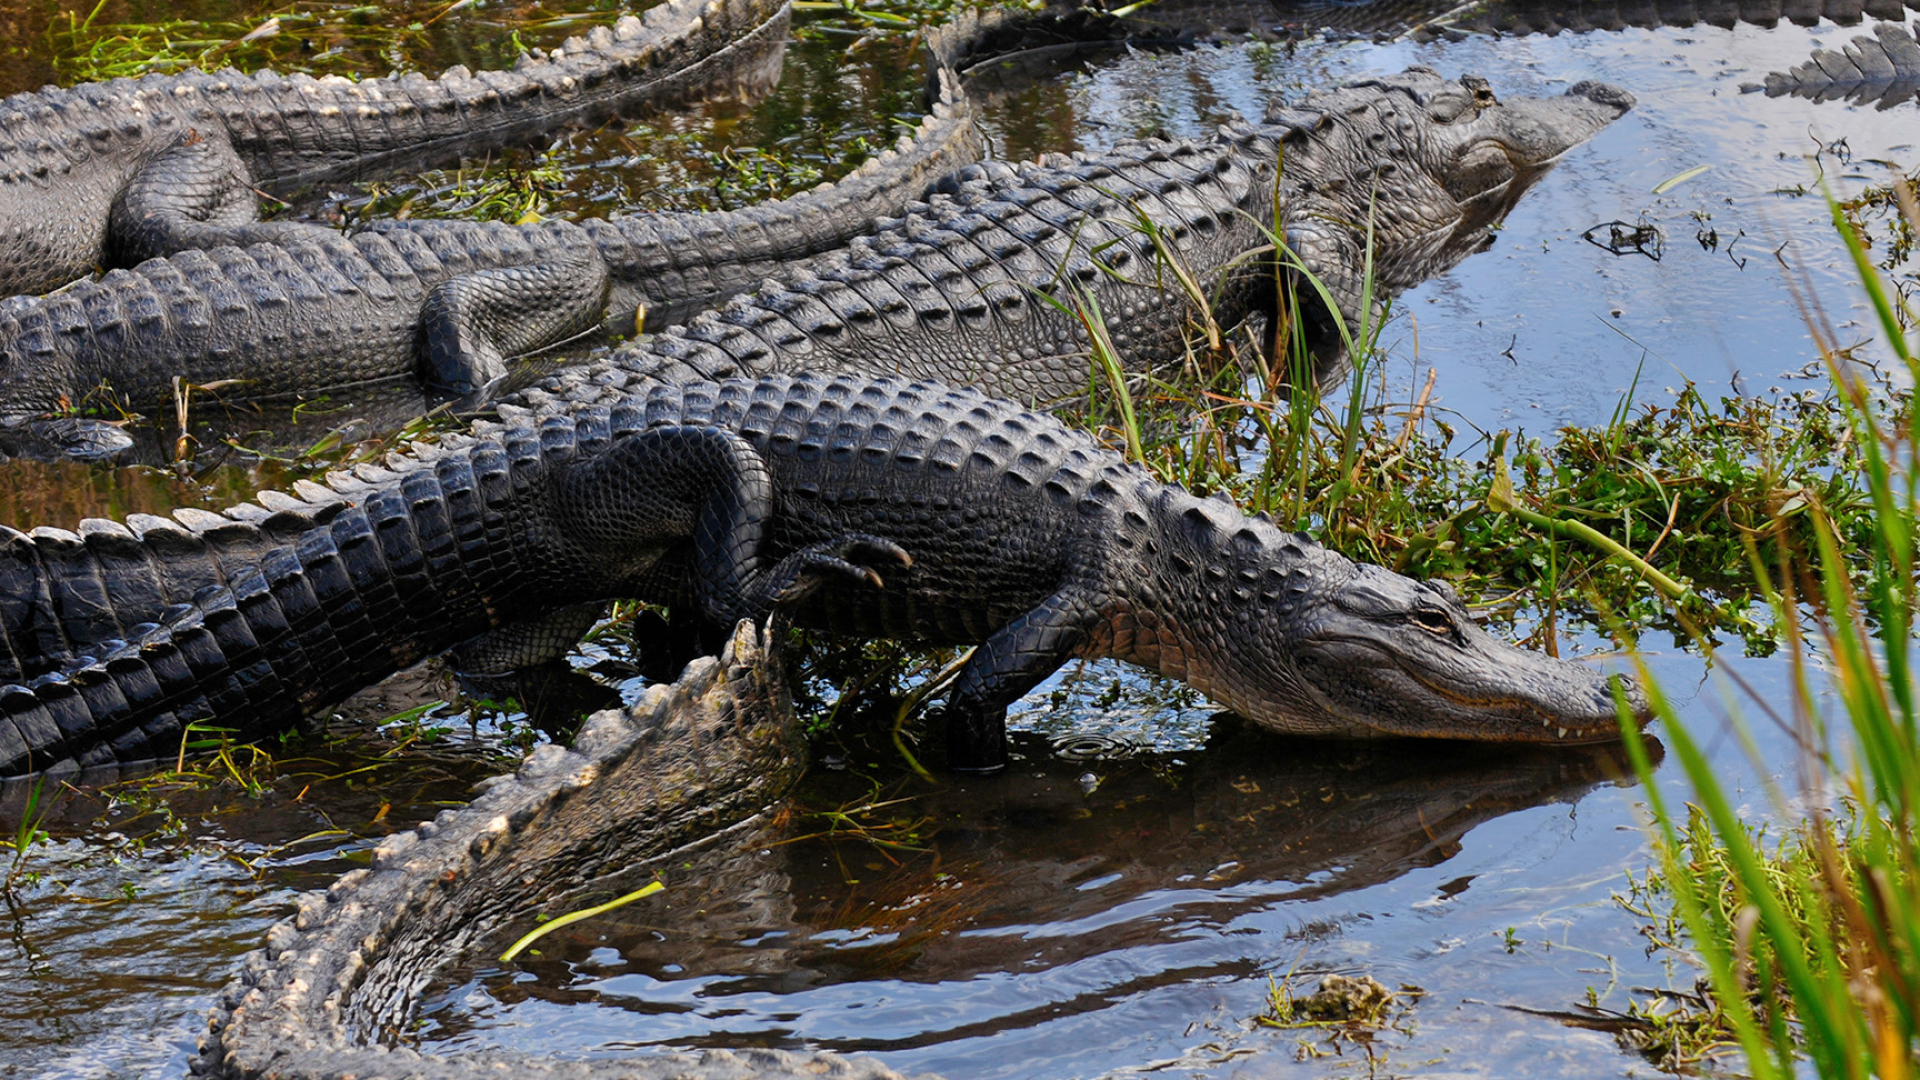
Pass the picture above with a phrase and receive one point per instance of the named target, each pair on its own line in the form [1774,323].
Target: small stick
[1419,410]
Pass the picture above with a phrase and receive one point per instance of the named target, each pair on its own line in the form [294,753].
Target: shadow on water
[1042,906]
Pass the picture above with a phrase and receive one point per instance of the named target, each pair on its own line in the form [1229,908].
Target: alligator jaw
[1394,656]
[1489,692]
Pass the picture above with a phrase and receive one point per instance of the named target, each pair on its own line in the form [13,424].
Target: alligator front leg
[471,326]
[1007,665]
[1330,282]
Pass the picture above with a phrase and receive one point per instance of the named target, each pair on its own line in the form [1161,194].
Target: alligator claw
[809,568]
[863,548]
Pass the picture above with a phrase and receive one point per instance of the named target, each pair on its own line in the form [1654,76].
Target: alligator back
[981,283]
[117,635]
[311,310]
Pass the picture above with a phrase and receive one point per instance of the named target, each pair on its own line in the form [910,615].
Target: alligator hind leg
[471,326]
[1005,666]
[197,194]
[709,491]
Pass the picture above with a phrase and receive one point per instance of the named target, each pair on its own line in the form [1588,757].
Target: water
[1121,901]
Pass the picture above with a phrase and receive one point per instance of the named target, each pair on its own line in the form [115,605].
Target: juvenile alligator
[960,287]
[865,507]
[70,154]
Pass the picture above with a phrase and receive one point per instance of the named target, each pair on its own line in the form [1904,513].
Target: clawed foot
[852,558]
[978,747]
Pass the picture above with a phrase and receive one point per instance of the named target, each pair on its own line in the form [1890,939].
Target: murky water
[1124,898]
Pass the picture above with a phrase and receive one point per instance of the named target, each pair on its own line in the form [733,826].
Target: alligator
[316,309]
[985,282]
[961,287]
[871,507]
[1558,16]
[191,148]
[353,963]
[687,764]
[1426,19]
[1882,70]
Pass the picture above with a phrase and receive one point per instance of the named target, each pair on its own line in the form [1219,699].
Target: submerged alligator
[191,148]
[1883,70]
[636,789]
[959,288]
[1558,16]
[866,507]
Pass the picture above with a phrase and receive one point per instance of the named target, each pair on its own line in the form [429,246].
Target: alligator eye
[1438,622]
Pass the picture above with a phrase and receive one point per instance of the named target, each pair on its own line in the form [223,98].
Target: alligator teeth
[1563,733]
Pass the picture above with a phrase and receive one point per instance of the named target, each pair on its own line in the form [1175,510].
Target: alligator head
[1300,639]
[1424,163]
[1404,658]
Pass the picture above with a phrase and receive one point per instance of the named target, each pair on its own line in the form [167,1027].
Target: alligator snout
[1603,94]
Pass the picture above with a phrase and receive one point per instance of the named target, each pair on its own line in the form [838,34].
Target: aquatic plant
[1811,942]
[27,834]
[1605,524]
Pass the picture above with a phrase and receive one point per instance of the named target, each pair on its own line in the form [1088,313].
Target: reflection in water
[132,915]
[1016,903]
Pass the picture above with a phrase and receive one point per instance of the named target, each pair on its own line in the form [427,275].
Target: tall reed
[1812,945]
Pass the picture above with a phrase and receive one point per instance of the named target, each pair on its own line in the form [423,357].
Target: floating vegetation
[1343,1011]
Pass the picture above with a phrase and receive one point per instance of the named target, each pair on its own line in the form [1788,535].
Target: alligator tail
[259,616]
[298,128]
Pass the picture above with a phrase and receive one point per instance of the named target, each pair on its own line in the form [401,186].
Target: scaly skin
[677,770]
[963,288]
[959,288]
[1025,536]
[317,309]
[1556,16]
[71,153]
[1883,70]
[314,1002]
